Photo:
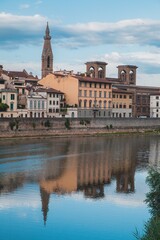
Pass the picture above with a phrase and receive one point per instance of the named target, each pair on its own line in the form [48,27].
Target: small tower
[127,74]
[96,69]
[47,55]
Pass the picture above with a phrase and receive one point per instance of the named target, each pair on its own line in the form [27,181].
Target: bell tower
[47,55]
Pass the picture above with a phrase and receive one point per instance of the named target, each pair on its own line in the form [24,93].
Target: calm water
[72,189]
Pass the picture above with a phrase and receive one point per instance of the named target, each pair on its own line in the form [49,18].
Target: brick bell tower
[47,55]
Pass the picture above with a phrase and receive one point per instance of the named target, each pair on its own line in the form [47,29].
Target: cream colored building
[9,97]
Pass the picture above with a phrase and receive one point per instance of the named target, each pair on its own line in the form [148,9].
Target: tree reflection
[152,227]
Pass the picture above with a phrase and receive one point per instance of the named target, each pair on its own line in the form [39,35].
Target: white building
[36,106]
[155,106]
[55,102]
[45,102]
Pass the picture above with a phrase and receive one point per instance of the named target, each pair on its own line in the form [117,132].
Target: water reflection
[87,165]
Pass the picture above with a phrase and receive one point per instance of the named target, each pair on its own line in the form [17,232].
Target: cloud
[24,29]
[18,30]
[24,6]
[134,31]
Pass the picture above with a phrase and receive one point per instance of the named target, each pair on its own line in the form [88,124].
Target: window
[85,93]
[130,96]
[124,96]
[39,104]
[57,102]
[50,95]
[90,85]
[100,94]
[105,104]
[48,61]
[80,93]
[31,104]
[90,93]
[100,104]
[23,91]
[42,104]
[157,97]
[85,103]
[50,102]
[11,106]
[12,96]
[114,96]
[157,104]
[34,104]
[120,96]
[80,103]
[90,103]
[53,102]
[95,93]
[105,94]
[110,94]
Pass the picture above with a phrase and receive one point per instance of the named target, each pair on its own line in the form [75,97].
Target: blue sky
[118,32]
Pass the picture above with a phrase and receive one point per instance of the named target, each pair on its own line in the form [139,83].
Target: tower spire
[47,36]
[47,55]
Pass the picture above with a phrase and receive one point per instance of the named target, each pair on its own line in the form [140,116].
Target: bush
[47,123]
[67,123]
[3,107]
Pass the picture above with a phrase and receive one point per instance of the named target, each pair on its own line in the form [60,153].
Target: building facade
[121,103]
[155,106]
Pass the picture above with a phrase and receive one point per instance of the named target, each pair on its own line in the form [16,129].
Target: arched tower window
[100,72]
[92,72]
[48,61]
[123,76]
[131,76]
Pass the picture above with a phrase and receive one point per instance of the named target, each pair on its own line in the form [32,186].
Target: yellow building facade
[121,103]
[92,96]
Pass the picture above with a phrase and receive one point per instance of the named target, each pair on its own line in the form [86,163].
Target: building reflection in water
[90,166]
[86,165]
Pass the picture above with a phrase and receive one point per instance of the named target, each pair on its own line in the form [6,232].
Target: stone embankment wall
[23,127]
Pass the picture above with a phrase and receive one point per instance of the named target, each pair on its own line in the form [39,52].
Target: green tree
[3,107]
[152,227]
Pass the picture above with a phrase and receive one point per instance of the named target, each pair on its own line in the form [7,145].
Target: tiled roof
[96,80]
[19,74]
[48,90]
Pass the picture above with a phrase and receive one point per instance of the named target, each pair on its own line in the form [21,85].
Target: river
[78,188]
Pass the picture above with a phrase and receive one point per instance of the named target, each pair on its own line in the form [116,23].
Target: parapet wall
[51,126]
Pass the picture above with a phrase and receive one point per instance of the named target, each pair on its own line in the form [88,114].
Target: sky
[117,32]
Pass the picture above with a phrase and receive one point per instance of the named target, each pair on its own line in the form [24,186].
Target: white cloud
[25,6]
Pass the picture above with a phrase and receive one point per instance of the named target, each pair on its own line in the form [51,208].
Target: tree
[3,107]
[152,227]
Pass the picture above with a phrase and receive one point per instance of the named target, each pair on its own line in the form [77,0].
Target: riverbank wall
[34,127]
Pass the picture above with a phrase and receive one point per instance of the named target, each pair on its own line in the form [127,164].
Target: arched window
[85,103]
[92,72]
[131,76]
[123,76]
[90,103]
[100,72]
[48,61]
